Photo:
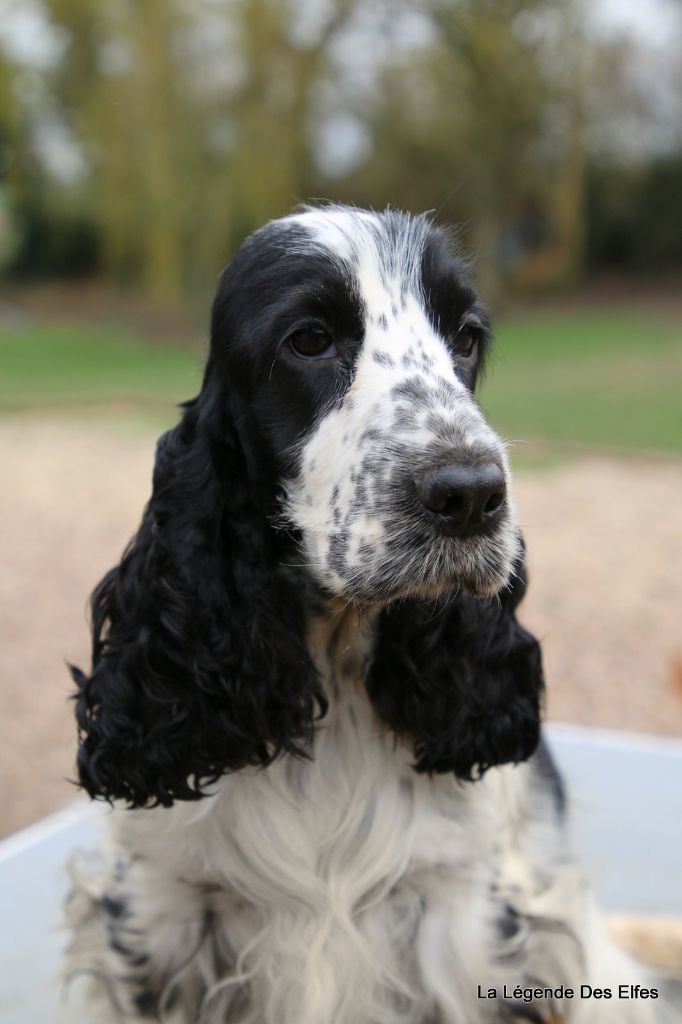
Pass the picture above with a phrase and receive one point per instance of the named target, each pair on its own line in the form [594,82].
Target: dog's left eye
[465,343]
[312,343]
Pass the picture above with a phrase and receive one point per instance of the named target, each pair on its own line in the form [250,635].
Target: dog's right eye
[312,343]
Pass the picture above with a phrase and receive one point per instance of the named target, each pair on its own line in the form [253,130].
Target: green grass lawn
[587,378]
[59,365]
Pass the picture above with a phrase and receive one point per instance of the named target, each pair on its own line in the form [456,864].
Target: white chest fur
[345,888]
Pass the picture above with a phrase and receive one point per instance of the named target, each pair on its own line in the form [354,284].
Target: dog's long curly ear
[461,679]
[199,661]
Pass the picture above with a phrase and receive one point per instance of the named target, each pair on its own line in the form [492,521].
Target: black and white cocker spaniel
[310,699]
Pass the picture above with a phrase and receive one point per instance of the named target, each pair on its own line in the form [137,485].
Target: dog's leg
[141,943]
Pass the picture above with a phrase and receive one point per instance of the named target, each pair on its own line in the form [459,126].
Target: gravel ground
[606,592]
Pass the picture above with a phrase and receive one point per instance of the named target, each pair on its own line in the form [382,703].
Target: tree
[185,159]
[486,124]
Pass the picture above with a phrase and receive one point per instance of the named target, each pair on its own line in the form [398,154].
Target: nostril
[454,505]
[494,501]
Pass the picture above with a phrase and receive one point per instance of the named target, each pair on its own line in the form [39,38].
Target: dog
[310,702]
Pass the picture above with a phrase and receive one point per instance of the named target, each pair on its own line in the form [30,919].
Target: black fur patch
[462,678]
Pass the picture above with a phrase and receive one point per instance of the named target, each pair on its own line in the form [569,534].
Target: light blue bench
[626,811]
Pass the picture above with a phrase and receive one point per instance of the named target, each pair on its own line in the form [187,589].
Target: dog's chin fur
[440,571]
[444,588]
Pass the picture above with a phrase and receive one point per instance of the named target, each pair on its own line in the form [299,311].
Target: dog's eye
[312,343]
[465,343]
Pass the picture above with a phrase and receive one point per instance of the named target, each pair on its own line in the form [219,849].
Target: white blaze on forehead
[336,230]
[383,257]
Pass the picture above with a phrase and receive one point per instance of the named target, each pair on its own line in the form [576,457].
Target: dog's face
[358,340]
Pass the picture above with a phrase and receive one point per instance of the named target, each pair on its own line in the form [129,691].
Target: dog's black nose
[466,496]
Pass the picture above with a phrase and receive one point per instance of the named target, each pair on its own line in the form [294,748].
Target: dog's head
[361,340]
[336,451]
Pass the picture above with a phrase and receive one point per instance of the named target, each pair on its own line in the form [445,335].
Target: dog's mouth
[424,562]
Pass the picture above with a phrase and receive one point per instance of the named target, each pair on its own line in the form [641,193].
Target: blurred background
[140,142]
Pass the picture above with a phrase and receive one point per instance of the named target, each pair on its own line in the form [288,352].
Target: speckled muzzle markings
[405,412]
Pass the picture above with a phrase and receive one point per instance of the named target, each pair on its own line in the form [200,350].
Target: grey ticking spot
[361,494]
[114,907]
[309,499]
[131,957]
[382,322]
[415,390]
[406,417]
[438,424]
[119,869]
[371,434]
[138,959]
[446,390]
[394,310]
[408,362]
[377,462]
[338,549]
[509,922]
[146,1003]
[335,494]
[366,551]
[383,359]
[427,361]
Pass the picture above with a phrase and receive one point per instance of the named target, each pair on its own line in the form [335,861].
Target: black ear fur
[199,660]
[461,678]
